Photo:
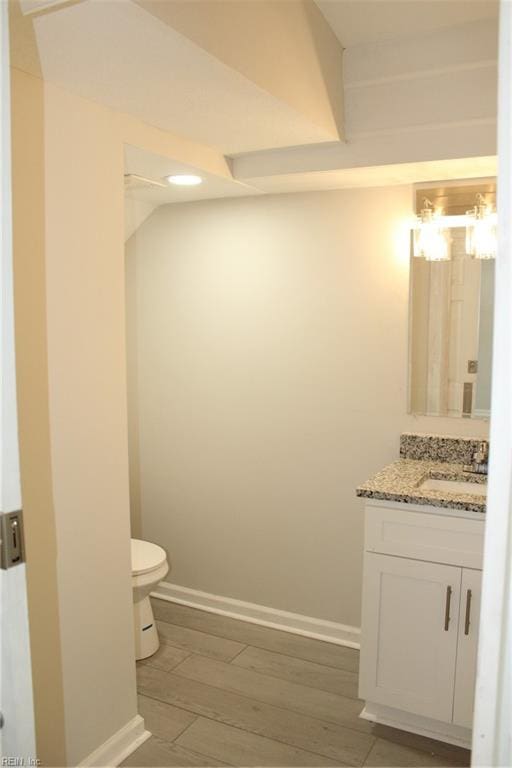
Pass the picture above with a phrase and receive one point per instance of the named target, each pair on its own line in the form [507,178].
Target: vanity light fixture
[430,236]
[184,180]
[481,240]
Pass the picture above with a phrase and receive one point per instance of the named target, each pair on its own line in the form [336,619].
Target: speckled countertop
[401,481]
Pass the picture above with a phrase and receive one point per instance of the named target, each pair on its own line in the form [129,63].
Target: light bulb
[184,180]
[430,237]
[481,240]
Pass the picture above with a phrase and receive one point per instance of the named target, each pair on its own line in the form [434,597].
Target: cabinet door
[409,634]
[465,673]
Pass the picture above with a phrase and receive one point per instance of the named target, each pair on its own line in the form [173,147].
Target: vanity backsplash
[456,450]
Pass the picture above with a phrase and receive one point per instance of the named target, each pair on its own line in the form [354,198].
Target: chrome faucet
[480,461]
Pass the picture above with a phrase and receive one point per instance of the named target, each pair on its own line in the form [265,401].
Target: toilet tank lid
[146,556]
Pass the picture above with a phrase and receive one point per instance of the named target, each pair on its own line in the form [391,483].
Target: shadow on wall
[131,267]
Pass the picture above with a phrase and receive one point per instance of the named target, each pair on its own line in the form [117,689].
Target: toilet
[149,566]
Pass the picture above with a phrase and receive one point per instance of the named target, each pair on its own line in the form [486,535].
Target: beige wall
[87,384]
[33,414]
[69,291]
[68,167]
[269,338]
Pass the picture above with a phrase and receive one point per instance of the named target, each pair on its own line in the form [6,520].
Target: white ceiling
[142,163]
[378,176]
[115,53]
[155,167]
[364,21]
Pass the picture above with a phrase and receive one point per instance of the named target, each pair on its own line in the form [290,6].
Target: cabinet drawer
[422,536]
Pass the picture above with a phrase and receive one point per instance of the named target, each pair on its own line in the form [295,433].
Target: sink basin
[454,486]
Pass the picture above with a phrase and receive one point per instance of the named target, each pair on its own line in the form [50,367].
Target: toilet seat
[146,557]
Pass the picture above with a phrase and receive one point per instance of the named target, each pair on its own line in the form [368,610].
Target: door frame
[17,736]
[492,728]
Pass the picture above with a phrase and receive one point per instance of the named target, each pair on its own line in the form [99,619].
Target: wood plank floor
[226,692]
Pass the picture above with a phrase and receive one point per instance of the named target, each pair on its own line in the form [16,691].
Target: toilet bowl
[149,566]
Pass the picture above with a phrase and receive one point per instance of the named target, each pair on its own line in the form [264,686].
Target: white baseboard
[423,726]
[117,748]
[318,629]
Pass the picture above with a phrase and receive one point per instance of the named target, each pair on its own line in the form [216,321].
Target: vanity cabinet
[421,602]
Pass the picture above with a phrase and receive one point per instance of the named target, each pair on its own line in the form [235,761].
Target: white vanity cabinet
[421,603]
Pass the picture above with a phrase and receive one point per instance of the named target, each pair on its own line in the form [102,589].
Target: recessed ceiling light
[184,180]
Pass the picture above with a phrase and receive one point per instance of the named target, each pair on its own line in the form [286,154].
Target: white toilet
[149,566]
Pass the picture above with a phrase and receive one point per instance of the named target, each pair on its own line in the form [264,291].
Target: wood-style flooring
[226,692]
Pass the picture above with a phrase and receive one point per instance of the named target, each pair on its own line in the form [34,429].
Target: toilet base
[146,635]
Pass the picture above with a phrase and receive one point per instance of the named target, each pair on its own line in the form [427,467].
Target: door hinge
[12,546]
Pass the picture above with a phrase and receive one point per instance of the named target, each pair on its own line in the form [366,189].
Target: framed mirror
[450,333]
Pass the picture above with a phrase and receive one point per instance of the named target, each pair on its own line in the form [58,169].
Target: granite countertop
[400,482]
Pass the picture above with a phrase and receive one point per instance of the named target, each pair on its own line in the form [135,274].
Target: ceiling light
[184,180]
[481,240]
[430,236]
